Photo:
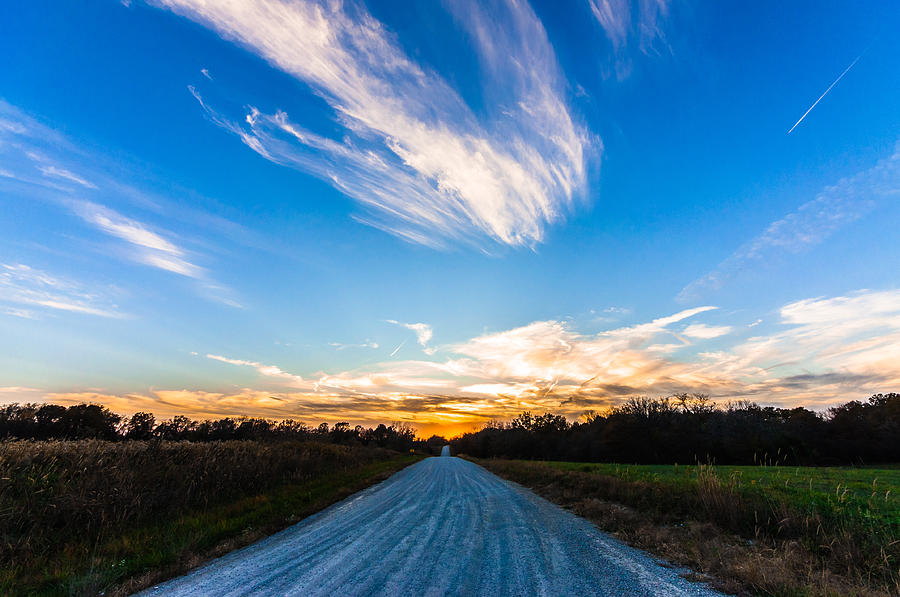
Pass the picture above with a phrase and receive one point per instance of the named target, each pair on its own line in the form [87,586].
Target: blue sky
[444,212]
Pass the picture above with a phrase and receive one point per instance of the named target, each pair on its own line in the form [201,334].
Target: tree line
[93,421]
[689,428]
[683,428]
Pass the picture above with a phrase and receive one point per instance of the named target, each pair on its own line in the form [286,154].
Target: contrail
[398,348]
[827,90]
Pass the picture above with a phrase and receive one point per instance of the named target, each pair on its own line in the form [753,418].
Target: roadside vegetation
[690,428]
[93,421]
[760,530]
[722,490]
[114,515]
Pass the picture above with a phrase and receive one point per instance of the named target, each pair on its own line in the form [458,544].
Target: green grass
[853,494]
[767,530]
[135,558]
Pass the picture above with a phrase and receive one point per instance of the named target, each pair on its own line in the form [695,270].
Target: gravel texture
[443,526]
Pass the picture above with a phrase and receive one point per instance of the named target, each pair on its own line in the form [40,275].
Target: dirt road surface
[443,526]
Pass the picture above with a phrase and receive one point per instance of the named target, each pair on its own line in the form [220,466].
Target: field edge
[731,562]
[321,494]
[142,557]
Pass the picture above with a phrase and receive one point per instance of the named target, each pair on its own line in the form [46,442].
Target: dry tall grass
[60,500]
[751,542]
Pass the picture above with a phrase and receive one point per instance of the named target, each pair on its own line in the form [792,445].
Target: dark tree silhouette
[140,426]
[684,428]
[688,428]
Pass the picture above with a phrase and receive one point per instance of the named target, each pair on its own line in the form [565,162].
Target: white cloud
[21,313]
[154,250]
[10,389]
[366,344]
[610,314]
[853,341]
[8,124]
[265,370]
[861,310]
[54,171]
[662,322]
[38,162]
[629,23]
[222,359]
[18,394]
[23,285]
[541,365]
[701,330]
[551,353]
[811,224]
[422,331]
[429,168]
[614,17]
[827,351]
[650,27]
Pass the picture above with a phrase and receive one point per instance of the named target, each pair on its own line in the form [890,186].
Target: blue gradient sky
[443,212]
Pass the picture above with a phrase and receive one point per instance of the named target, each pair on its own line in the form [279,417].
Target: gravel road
[443,526]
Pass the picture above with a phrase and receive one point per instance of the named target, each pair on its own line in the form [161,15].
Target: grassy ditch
[759,530]
[85,517]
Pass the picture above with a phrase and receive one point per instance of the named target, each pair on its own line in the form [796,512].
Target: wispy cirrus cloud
[20,313]
[701,330]
[151,248]
[632,23]
[264,370]
[21,284]
[342,346]
[40,163]
[56,172]
[811,224]
[428,168]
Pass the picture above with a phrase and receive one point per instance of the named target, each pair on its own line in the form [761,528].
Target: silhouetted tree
[177,428]
[435,443]
[140,426]
[683,428]
[688,428]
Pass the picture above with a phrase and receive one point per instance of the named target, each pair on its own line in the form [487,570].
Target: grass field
[95,517]
[767,530]
[855,496]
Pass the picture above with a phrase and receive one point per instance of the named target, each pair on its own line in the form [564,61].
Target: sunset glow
[331,211]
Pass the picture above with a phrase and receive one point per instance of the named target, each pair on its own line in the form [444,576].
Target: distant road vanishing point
[443,526]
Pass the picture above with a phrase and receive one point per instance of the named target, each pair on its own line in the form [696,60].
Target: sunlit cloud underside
[823,351]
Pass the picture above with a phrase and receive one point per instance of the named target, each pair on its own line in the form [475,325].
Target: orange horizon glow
[849,347]
[256,404]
